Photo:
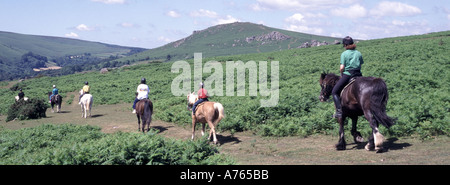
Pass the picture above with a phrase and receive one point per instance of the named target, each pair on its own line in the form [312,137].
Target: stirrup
[337,114]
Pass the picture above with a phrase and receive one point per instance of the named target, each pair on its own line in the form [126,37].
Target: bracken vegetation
[86,145]
[415,68]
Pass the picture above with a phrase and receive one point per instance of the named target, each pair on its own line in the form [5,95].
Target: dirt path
[247,148]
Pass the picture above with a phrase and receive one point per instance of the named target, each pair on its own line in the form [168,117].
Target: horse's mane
[329,78]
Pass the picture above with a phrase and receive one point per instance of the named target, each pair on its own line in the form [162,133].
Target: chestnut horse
[207,112]
[57,99]
[366,96]
[144,111]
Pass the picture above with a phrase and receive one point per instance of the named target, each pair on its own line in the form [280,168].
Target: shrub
[70,144]
[31,109]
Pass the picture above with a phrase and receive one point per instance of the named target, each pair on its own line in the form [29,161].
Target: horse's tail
[378,102]
[88,103]
[219,108]
[148,111]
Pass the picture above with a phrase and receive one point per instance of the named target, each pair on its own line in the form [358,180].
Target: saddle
[199,105]
[350,82]
[54,98]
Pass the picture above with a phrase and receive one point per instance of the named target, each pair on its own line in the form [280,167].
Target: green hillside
[229,39]
[14,46]
[416,70]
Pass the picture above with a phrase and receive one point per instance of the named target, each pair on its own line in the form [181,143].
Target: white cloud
[128,25]
[352,12]
[226,20]
[297,4]
[164,39]
[203,13]
[296,18]
[83,27]
[388,8]
[306,23]
[71,35]
[110,1]
[334,34]
[305,29]
[173,14]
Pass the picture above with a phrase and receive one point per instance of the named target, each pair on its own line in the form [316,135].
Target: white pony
[24,98]
[86,104]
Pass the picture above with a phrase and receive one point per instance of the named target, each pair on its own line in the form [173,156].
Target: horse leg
[356,135]
[203,130]
[376,139]
[139,121]
[82,111]
[90,108]
[341,144]
[193,127]
[213,131]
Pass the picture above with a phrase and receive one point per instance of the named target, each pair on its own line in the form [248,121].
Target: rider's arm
[341,69]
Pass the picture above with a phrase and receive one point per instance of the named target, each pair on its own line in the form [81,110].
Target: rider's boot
[337,104]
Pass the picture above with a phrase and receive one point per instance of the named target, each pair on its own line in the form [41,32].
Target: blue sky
[153,23]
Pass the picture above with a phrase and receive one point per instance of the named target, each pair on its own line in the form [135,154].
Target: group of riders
[350,66]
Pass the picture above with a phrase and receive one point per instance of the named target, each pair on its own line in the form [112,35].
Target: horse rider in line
[202,96]
[351,61]
[142,93]
[54,92]
[21,94]
[86,89]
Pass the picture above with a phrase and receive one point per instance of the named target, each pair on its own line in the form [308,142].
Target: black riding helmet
[86,83]
[143,81]
[347,41]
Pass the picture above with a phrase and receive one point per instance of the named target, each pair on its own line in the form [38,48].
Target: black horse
[366,96]
[56,99]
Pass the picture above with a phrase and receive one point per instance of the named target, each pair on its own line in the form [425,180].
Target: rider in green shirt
[351,61]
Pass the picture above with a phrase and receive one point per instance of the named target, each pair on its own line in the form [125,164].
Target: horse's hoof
[369,147]
[379,149]
[359,139]
[340,147]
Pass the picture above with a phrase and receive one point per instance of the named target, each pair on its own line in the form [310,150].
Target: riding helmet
[201,85]
[347,41]
[86,82]
[143,81]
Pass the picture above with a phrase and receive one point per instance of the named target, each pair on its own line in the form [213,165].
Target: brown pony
[144,111]
[57,99]
[207,112]
[366,96]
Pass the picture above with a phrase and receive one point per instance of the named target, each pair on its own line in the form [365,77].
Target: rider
[54,92]
[202,96]
[85,90]
[142,93]
[21,94]
[351,61]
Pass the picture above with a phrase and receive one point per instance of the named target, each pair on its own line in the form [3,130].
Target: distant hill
[231,39]
[14,48]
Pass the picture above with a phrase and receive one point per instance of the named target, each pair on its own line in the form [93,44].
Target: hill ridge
[230,39]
